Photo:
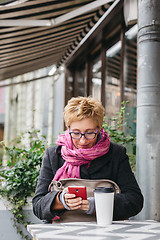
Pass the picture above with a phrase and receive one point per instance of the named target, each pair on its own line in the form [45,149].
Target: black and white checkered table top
[129,230]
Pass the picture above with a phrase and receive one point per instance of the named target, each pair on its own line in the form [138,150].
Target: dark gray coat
[114,166]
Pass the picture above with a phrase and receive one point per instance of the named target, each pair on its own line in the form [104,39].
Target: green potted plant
[19,177]
[117,130]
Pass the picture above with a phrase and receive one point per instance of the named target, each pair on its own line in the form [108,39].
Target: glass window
[81,81]
[112,83]
[130,76]
[96,78]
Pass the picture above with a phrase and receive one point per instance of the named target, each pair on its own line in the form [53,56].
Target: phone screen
[79,191]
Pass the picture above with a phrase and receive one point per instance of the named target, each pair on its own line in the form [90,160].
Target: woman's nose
[83,139]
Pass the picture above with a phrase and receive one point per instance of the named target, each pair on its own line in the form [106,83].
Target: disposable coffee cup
[104,201]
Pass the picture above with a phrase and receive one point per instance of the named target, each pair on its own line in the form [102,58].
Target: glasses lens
[75,135]
[90,135]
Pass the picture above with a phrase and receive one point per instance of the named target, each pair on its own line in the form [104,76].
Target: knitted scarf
[74,157]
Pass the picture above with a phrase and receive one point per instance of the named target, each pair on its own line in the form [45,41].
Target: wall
[2,105]
[34,105]
[7,231]
[59,89]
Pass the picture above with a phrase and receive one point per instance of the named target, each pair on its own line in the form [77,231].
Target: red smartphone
[79,191]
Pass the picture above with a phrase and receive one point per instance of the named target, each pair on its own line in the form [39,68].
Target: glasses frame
[84,134]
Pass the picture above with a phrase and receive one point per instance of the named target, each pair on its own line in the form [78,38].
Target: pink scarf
[74,157]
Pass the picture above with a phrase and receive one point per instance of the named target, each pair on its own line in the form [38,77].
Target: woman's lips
[83,146]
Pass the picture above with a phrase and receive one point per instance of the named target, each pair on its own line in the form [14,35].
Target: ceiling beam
[95,35]
[55,21]
[13,3]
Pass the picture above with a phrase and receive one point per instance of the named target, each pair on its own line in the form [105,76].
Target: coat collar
[96,164]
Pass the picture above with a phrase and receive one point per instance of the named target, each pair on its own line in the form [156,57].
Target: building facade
[103,65]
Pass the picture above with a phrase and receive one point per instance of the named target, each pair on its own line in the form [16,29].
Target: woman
[85,151]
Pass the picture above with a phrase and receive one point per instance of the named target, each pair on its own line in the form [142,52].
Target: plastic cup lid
[104,190]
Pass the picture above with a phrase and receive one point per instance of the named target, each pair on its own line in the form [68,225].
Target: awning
[39,33]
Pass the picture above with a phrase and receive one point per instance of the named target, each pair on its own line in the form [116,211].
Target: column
[148,107]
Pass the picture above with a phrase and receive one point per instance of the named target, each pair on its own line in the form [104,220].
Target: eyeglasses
[87,135]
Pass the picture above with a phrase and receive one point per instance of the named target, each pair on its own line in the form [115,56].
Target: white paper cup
[104,200]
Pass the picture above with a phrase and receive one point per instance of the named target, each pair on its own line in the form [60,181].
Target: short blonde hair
[79,108]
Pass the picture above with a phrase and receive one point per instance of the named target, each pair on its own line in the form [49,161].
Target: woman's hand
[75,203]
[85,205]
[72,201]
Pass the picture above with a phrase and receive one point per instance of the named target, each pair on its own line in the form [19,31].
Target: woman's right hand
[72,201]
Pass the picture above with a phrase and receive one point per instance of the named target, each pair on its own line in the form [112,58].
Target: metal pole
[103,72]
[122,65]
[148,107]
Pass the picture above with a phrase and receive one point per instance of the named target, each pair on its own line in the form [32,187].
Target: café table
[129,230]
